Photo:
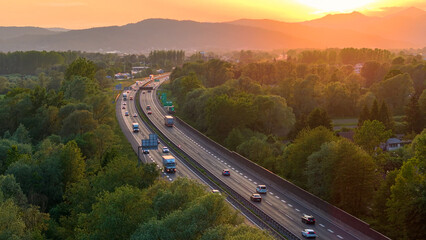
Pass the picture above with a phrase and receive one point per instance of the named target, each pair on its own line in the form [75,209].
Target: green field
[339,123]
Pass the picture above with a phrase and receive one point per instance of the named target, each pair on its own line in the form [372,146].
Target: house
[394,143]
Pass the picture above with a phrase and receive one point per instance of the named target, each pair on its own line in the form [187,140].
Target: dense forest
[278,114]
[67,171]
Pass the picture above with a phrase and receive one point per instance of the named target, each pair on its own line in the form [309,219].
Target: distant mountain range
[405,29]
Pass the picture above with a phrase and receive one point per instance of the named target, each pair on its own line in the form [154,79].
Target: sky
[79,14]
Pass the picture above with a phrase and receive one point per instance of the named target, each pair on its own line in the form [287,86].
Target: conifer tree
[374,113]
[385,116]
[364,116]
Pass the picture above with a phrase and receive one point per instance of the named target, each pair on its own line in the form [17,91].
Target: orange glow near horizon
[78,14]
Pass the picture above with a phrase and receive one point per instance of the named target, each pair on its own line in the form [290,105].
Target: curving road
[280,204]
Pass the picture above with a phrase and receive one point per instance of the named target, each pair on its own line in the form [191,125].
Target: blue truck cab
[169,164]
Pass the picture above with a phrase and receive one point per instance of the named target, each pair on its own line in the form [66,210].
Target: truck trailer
[168,121]
[169,164]
[135,127]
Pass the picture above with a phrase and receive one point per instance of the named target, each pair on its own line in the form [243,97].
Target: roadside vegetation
[278,114]
[67,172]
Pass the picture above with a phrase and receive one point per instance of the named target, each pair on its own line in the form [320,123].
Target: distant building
[394,144]
[358,67]
[138,69]
[122,76]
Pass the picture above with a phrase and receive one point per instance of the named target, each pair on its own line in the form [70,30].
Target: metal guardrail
[267,222]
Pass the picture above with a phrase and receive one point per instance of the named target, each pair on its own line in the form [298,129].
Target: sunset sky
[77,14]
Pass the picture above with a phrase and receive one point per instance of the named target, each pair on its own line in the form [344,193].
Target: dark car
[308,219]
[226,172]
[145,151]
[255,197]
[123,107]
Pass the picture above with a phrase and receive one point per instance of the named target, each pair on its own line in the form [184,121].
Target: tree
[319,170]
[296,155]
[11,189]
[371,134]
[21,135]
[385,116]
[115,215]
[355,179]
[371,72]
[413,116]
[272,115]
[78,122]
[73,163]
[79,88]
[422,104]
[319,117]
[407,203]
[81,67]
[395,91]
[374,113]
[364,116]
[11,224]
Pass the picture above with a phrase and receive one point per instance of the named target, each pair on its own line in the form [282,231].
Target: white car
[166,150]
[309,233]
[215,191]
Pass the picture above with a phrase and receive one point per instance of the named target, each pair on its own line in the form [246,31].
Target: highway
[135,139]
[280,204]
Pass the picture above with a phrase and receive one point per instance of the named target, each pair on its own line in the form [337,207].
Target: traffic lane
[298,210]
[181,169]
[326,226]
[236,182]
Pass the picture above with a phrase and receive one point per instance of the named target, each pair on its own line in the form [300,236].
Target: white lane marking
[330,230]
[289,217]
[271,193]
[255,183]
[221,160]
[283,201]
[250,179]
[290,205]
[268,203]
[245,176]
[277,197]
[234,169]
[339,236]
[321,225]
[241,173]
[297,210]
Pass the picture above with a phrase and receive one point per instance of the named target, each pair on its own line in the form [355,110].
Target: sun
[336,5]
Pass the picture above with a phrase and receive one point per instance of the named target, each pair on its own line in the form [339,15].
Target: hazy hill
[326,37]
[158,34]
[407,25]
[13,32]
[403,29]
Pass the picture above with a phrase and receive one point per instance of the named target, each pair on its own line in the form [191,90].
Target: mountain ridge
[334,30]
